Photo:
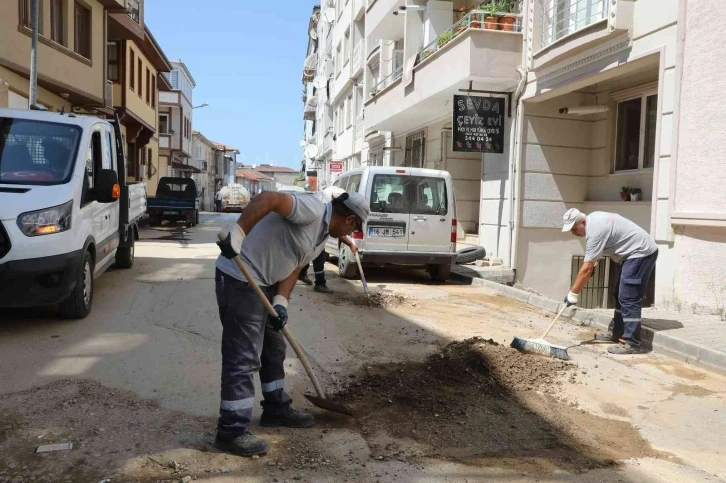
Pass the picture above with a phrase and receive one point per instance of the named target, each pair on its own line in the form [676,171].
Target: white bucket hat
[571,216]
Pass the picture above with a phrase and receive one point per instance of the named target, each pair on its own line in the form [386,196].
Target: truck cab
[66,212]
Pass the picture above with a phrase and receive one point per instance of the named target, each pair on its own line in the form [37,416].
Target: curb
[658,341]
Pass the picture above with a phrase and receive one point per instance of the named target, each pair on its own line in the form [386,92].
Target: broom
[541,346]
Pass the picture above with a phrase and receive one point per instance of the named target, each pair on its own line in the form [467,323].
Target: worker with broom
[609,234]
[274,237]
[321,285]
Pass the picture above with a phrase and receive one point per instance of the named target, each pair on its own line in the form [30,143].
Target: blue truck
[177,199]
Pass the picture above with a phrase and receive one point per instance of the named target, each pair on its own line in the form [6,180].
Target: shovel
[320,400]
[362,276]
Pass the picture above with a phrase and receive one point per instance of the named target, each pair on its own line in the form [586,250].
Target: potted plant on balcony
[506,22]
[490,16]
[625,193]
[635,194]
[443,39]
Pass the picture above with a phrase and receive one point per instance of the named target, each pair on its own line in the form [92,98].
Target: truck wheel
[125,255]
[78,304]
[347,267]
[440,273]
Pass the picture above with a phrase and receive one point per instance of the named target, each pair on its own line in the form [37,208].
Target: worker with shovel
[609,234]
[274,237]
[321,285]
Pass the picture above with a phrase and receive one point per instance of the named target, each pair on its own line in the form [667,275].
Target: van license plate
[170,212]
[384,231]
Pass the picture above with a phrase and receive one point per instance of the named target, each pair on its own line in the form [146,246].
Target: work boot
[606,337]
[323,288]
[287,417]
[246,444]
[625,349]
[305,279]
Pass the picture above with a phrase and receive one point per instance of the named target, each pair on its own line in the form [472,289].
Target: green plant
[504,6]
[443,38]
[425,54]
[490,9]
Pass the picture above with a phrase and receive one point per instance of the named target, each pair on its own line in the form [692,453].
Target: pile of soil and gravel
[486,403]
[383,299]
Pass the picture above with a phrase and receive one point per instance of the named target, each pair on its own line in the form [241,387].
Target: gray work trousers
[249,345]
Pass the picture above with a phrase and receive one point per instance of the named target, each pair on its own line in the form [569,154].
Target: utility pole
[34,15]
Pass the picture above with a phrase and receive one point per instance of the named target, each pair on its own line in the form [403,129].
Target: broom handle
[271,310]
[564,306]
[362,276]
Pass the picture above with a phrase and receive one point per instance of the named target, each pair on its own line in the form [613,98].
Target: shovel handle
[271,310]
[362,276]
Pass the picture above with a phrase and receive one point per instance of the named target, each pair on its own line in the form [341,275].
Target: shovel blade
[324,403]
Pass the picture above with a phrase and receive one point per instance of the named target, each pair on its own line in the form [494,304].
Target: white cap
[358,204]
[571,216]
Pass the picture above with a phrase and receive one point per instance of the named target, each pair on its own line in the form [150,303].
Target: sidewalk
[694,339]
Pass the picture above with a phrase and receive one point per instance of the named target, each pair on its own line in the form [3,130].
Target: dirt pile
[380,300]
[477,401]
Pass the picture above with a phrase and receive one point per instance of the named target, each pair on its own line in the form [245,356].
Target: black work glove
[231,246]
[280,321]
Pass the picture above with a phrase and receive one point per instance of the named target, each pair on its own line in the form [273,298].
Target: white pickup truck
[66,211]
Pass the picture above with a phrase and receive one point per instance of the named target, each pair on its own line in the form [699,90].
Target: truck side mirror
[107,188]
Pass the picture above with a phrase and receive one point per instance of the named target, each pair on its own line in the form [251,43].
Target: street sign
[478,124]
[336,166]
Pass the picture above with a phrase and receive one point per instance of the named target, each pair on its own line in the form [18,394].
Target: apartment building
[203,155]
[255,182]
[71,54]
[225,158]
[280,175]
[333,91]
[135,63]
[175,121]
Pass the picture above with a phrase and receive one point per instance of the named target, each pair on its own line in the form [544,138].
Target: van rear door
[387,226]
[430,214]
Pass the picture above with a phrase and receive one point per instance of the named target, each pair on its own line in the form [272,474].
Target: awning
[311,106]
[185,167]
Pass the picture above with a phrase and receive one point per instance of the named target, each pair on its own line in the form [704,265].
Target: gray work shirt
[609,234]
[278,245]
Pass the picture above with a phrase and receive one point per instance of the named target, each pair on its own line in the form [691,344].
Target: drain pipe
[515,160]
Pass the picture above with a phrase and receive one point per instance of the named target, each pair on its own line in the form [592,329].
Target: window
[140,71]
[148,86]
[132,65]
[353,184]
[153,92]
[415,155]
[113,61]
[635,133]
[82,31]
[149,158]
[563,17]
[416,195]
[108,151]
[132,9]
[349,111]
[25,15]
[163,124]
[57,21]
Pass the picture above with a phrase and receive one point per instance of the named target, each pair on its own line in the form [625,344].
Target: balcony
[357,63]
[127,23]
[164,141]
[380,21]
[486,53]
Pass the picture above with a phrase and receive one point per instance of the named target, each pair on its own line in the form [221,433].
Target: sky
[246,58]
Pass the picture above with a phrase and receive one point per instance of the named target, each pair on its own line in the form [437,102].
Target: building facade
[225,158]
[175,121]
[203,154]
[280,175]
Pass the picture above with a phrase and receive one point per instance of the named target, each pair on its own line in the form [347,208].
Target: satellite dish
[302,143]
[329,15]
[311,151]
[319,82]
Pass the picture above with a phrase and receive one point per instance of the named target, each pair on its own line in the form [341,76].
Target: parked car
[177,199]
[412,220]
[66,211]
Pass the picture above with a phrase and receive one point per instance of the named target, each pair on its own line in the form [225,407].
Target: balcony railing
[474,20]
[358,55]
[385,82]
[560,19]
[164,141]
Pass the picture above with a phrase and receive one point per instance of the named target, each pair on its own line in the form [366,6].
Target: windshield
[176,189]
[416,195]
[36,152]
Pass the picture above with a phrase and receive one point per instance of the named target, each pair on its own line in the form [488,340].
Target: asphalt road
[154,334]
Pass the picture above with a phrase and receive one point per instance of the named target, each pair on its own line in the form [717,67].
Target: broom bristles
[540,346]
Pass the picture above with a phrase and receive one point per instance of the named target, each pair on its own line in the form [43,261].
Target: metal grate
[4,242]
[594,293]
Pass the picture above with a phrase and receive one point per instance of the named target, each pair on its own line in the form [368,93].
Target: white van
[412,220]
[66,212]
